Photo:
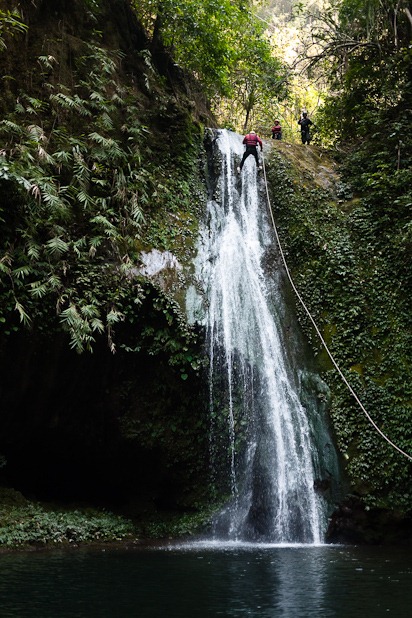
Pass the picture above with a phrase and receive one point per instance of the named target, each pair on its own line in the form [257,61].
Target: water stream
[258,421]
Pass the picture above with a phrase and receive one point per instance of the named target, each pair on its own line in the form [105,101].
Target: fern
[135,211]
[78,245]
[38,289]
[21,272]
[97,325]
[94,245]
[72,104]
[108,228]
[57,246]
[62,156]
[7,126]
[79,329]
[47,61]
[106,122]
[110,146]
[85,199]
[24,317]
[114,316]
[54,282]
[81,172]
[33,250]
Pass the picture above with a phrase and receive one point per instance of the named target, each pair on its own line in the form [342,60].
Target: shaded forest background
[103,106]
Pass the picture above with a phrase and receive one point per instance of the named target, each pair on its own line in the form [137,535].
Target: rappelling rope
[370,419]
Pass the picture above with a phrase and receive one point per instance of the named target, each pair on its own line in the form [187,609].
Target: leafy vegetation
[10,24]
[101,159]
[76,201]
[25,523]
[347,280]
[224,45]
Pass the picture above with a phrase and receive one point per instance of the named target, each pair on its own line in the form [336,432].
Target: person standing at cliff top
[305,123]
[251,141]
[276,130]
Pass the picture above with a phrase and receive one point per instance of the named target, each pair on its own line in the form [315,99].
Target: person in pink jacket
[251,141]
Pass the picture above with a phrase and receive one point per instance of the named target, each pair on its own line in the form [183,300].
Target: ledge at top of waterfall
[267,448]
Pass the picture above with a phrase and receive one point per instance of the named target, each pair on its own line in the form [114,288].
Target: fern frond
[33,250]
[44,155]
[85,199]
[114,316]
[117,99]
[47,61]
[108,228]
[54,282]
[54,201]
[11,127]
[98,325]
[99,139]
[56,246]
[94,245]
[71,104]
[79,328]
[21,272]
[79,244]
[89,311]
[36,133]
[38,289]
[106,122]
[97,96]
[24,317]
[62,156]
[135,210]
[70,315]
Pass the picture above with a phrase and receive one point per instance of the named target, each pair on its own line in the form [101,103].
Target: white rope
[370,419]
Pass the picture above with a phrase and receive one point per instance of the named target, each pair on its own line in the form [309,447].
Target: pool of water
[205,580]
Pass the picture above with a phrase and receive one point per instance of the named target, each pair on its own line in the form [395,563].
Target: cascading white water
[267,434]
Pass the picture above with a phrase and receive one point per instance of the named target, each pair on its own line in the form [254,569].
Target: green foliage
[366,53]
[165,332]
[10,23]
[177,526]
[72,182]
[257,83]
[72,212]
[200,35]
[224,46]
[32,524]
[365,49]
[344,260]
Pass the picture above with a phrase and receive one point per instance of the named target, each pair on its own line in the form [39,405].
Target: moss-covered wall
[343,272]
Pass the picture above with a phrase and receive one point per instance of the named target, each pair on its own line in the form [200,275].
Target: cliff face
[61,29]
[104,428]
[344,265]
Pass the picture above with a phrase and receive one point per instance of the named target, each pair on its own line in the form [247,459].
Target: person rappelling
[251,141]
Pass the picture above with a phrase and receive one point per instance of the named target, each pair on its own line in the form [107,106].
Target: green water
[203,582]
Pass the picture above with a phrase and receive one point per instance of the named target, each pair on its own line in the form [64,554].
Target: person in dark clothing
[251,141]
[276,130]
[305,123]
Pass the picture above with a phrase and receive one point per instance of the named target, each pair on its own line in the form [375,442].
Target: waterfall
[262,445]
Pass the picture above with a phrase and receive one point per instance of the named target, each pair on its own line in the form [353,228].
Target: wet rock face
[353,523]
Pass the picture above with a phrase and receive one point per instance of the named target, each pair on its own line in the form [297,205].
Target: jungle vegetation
[353,259]
[103,113]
